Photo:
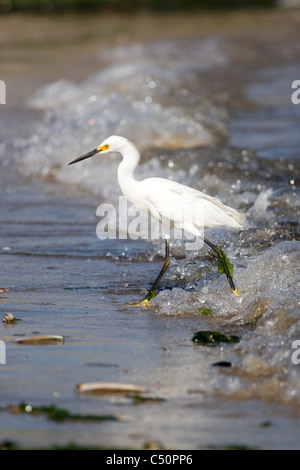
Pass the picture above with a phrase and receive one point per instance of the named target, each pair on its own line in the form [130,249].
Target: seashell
[38,340]
[8,318]
[109,387]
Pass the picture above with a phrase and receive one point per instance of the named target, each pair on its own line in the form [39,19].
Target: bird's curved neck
[126,168]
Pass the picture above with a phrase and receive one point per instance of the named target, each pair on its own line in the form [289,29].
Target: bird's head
[113,143]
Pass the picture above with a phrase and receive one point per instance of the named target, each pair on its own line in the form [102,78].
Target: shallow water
[212,111]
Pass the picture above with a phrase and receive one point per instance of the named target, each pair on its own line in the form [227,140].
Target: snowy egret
[171,203]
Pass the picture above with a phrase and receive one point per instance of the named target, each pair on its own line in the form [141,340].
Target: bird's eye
[106,147]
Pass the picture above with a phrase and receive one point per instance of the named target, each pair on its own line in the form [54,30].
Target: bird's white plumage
[172,203]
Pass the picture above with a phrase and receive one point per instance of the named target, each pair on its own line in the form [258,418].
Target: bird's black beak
[86,155]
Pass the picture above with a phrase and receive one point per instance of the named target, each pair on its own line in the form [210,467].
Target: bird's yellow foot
[236,292]
[144,302]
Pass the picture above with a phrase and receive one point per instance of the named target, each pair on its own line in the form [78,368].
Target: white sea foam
[149,93]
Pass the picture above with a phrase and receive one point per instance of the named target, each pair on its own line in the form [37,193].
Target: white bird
[173,204]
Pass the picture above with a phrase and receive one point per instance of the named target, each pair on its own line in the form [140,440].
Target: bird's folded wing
[185,207]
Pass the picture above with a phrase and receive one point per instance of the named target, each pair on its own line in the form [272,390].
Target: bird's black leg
[151,292]
[224,262]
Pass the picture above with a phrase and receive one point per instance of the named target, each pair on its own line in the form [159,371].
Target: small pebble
[222,364]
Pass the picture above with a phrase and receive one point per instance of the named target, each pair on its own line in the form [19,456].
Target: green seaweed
[12,445]
[266,424]
[205,311]
[224,264]
[232,446]
[213,338]
[138,399]
[58,414]
[6,444]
